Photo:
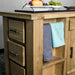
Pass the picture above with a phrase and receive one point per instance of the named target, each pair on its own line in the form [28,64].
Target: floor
[2,64]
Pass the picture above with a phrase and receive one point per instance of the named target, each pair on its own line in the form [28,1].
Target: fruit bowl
[39,8]
[43,8]
[39,5]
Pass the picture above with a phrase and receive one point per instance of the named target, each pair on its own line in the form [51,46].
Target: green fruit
[52,3]
[59,3]
[55,3]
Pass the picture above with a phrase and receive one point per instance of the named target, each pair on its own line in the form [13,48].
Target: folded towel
[57,32]
[47,43]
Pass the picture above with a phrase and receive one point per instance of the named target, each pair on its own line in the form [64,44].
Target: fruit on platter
[30,2]
[36,3]
[52,2]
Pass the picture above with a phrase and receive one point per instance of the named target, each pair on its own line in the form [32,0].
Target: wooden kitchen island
[23,44]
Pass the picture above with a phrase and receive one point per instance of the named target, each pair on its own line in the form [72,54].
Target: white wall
[11,5]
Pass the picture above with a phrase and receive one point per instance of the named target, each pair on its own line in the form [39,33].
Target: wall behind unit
[11,5]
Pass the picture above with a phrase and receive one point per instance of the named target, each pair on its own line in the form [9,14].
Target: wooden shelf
[54,61]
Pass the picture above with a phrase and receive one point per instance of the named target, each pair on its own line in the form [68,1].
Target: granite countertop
[44,11]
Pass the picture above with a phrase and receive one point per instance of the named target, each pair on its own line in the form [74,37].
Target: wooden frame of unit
[34,39]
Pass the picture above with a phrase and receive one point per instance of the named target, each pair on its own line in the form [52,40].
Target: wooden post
[34,47]
[66,46]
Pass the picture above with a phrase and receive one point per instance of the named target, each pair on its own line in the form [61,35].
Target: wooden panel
[16,69]
[72,23]
[17,30]
[59,52]
[53,15]
[49,20]
[66,23]
[38,46]
[59,69]
[72,44]
[16,53]
[34,47]
[49,70]
[5,30]
[68,55]
[55,60]
[71,61]
[36,16]
[17,15]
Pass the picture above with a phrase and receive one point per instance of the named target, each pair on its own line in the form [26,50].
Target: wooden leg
[34,47]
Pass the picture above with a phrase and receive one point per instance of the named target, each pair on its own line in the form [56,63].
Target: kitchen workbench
[23,43]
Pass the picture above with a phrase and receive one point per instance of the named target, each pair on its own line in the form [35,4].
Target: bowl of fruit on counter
[55,5]
[39,5]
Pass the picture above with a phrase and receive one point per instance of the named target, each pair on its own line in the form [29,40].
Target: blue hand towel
[57,32]
[47,43]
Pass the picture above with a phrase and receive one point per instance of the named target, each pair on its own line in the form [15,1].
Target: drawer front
[16,69]
[17,30]
[72,24]
[16,53]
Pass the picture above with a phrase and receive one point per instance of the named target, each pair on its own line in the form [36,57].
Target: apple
[30,2]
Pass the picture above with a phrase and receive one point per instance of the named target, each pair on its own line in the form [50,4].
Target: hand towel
[57,33]
[47,43]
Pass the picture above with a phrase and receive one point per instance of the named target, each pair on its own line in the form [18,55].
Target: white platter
[43,8]
[56,7]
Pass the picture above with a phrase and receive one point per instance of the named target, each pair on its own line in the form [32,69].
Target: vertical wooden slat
[5,30]
[59,69]
[38,47]
[68,54]
[34,47]
[66,44]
